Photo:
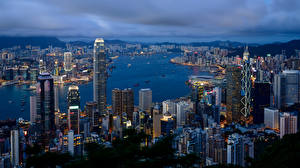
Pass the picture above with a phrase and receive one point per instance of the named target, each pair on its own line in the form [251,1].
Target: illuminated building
[45,106]
[100,75]
[73,108]
[246,85]
[67,61]
[233,94]
[261,99]
[271,118]
[288,123]
[169,107]
[182,110]
[145,99]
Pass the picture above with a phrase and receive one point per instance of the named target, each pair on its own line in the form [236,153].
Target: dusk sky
[186,20]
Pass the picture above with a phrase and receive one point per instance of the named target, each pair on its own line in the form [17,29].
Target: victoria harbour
[167,81]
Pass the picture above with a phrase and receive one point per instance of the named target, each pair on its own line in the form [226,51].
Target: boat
[136,85]
[129,65]
[10,101]
[148,62]
[147,81]
[163,75]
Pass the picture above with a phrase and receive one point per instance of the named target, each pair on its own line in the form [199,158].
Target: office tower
[14,147]
[288,123]
[169,107]
[157,115]
[56,99]
[145,99]
[68,61]
[182,109]
[246,84]
[71,142]
[92,114]
[123,102]
[218,95]
[286,88]
[45,106]
[33,113]
[73,108]
[233,94]
[167,125]
[239,148]
[261,99]
[271,117]
[279,90]
[100,75]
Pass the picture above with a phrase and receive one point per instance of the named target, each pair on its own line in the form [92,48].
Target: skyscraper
[92,114]
[73,108]
[45,105]
[233,94]
[123,102]
[157,115]
[100,75]
[14,147]
[286,88]
[246,84]
[182,109]
[261,98]
[145,99]
[33,109]
[271,118]
[288,123]
[169,107]
[67,61]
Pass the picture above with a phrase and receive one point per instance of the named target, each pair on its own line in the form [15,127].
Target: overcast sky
[194,20]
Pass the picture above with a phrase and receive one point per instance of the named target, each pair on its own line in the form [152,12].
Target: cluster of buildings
[222,120]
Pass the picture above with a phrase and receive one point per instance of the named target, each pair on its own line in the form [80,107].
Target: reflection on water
[166,80]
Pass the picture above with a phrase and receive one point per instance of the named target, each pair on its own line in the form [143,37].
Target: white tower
[246,84]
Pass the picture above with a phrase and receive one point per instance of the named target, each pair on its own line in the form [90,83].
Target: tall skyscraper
[246,84]
[56,99]
[233,94]
[14,147]
[100,75]
[271,118]
[288,123]
[68,61]
[261,99]
[157,115]
[92,114]
[286,88]
[33,113]
[169,107]
[145,99]
[45,106]
[182,109]
[123,102]
[71,142]
[73,108]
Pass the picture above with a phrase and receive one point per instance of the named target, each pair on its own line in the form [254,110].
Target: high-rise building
[73,108]
[56,99]
[288,123]
[93,114]
[182,109]
[123,102]
[157,115]
[218,95]
[145,99]
[68,61]
[261,99]
[45,106]
[286,88]
[233,94]
[239,148]
[71,142]
[33,113]
[100,75]
[246,84]
[169,107]
[14,147]
[271,117]
[167,125]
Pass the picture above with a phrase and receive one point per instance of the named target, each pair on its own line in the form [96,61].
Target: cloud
[159,18]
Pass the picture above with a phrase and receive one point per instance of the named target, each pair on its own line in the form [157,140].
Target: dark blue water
[143,68]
